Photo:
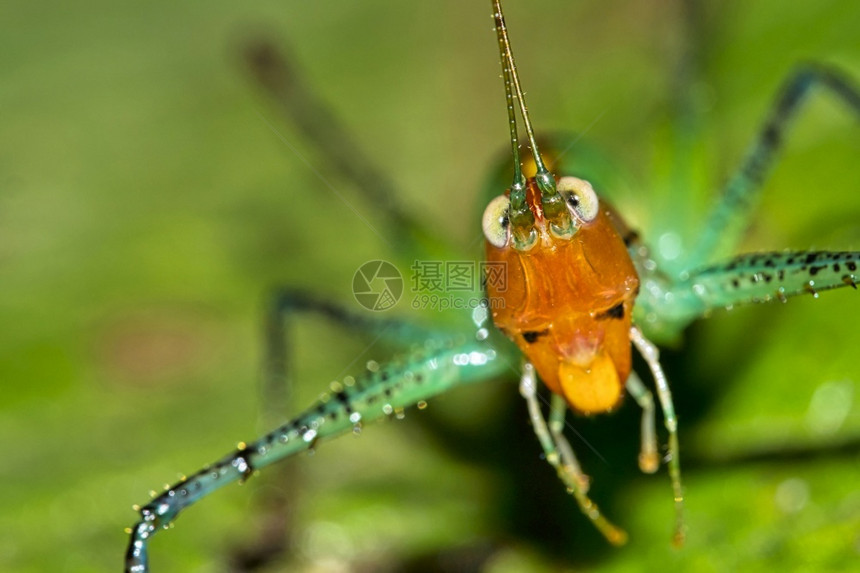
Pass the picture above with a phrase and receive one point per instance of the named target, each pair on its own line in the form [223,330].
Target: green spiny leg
[652,357]
[755,277]
[666,306]
[761,277]
[421,375]
[285,304]
[729,218]
[649,461]
[528,389]
[557,412]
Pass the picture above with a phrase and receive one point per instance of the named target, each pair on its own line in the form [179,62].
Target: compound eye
[580,197]
[496,222]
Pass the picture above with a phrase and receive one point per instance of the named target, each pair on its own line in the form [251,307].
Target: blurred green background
[146,207]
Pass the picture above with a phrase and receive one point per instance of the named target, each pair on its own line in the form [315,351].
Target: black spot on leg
[813,270]
[835,267]
[342,397]
[851,266]
[770,136]
[736,283]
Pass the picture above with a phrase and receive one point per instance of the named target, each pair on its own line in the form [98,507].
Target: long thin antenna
[554,207]
[518,193]
[520,216]
[545,180]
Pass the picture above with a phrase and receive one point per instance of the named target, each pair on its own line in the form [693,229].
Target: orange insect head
[567,300]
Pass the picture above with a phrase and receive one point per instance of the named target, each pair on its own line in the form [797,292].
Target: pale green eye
[496,222]
[580,198]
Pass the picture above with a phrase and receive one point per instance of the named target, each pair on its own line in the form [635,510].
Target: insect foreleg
[652,357]
[649,460]
[729,217]
[528,389]
[557,413]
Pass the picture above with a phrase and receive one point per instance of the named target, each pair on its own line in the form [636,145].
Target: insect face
[567,300]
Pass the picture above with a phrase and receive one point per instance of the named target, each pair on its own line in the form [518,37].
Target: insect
[665,304]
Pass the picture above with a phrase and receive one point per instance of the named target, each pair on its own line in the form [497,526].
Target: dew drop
[309,436]
[669,245]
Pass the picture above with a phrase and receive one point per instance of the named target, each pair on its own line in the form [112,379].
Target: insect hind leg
[341,156]
[729,217]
